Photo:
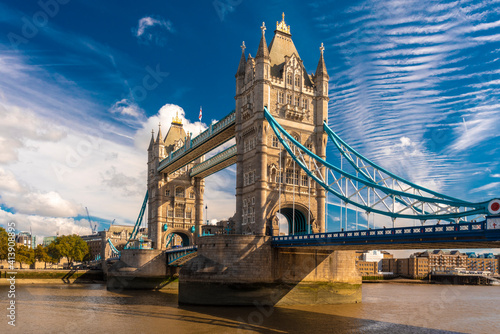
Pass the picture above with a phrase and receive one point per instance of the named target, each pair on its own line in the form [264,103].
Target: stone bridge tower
[276,78]
[244,268]
[175,202]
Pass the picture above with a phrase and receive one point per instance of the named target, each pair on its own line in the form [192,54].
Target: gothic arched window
[179,192]
[289,78]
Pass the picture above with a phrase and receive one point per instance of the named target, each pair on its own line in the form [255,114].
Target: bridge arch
[299,219]
[186,236]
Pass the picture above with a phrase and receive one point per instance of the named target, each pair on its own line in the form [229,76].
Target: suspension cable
[309,229]
[293,200]
[340,207]
[280,174]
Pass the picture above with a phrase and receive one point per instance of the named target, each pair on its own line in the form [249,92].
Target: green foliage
[53,253]
[25,254]
[72,247]
[42,255]
[3,243]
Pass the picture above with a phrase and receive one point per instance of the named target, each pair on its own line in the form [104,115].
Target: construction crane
[92,228]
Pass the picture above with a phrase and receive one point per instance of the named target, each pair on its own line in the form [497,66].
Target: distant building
[222,227]
[440,260]
[370,262]
[413,267]
[94,241]
[419,265]
[482,262]
[389,265]
[118,235]
[367,268]
[24,239]
[48,240]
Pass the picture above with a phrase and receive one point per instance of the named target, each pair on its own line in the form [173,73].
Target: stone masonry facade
[277,79]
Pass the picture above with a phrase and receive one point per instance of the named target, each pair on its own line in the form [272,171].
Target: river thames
[386,308]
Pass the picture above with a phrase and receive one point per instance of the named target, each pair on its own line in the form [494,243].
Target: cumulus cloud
[153,30]
[25,200]
[20,127]
[164,117]
[45,226]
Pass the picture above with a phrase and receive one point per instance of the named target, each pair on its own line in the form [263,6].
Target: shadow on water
[161,306]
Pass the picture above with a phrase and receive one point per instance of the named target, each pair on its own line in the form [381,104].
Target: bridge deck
[468,235]
[216,163]
[176,257]
[217,134]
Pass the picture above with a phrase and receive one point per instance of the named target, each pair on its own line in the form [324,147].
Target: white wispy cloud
[488,186]
[410,73]
[126,107]
[152,29]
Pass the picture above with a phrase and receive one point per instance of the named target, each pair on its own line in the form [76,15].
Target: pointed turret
[152,141]
[243,61]
[321,69]
[263,63]
[263,52]
[159,138]
[240,74]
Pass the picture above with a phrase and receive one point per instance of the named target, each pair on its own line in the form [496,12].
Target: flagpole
[200,119]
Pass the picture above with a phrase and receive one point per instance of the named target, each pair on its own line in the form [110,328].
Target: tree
[4,237]
[72,247]
[25,254]
[53,253]
[41,255]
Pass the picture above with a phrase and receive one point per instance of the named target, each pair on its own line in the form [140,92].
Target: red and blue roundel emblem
[494,207]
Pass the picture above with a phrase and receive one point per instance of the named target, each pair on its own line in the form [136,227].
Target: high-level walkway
[217,134]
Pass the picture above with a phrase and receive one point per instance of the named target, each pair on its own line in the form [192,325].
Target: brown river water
[386,308]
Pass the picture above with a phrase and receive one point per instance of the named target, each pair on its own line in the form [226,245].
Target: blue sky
[414,85]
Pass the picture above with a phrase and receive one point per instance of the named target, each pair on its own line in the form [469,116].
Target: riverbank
[41,276]
[399,281]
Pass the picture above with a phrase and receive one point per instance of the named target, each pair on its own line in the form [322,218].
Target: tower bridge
[280,126]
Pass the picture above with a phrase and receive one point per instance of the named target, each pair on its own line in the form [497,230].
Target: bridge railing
[376,233]
[180,249]
[201,138]
[174,255]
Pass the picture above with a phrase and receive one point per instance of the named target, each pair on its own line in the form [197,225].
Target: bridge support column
[199,185]
[245,270]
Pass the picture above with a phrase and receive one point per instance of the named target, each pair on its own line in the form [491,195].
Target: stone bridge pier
[246,270]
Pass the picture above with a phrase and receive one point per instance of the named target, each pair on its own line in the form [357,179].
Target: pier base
[246,270]
[141,269]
